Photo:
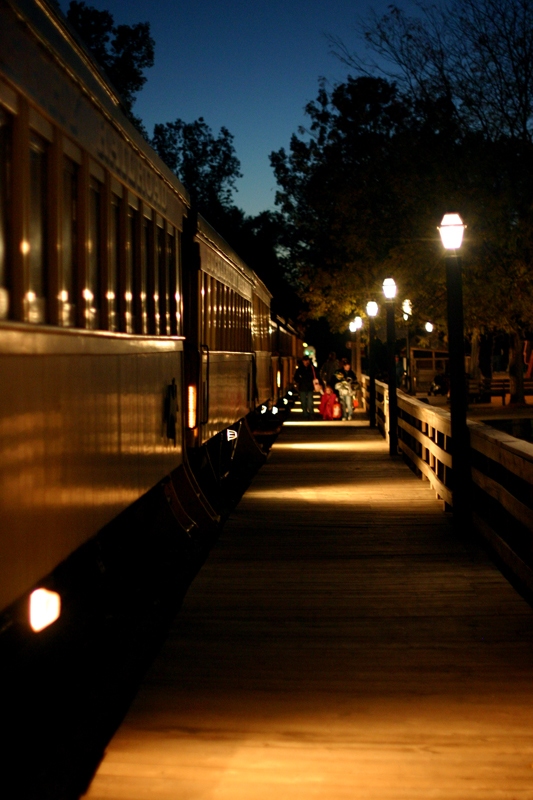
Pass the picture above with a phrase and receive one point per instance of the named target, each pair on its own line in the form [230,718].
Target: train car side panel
[84,433]
[230,386]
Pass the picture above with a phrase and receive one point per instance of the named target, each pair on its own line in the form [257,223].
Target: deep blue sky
[250,65]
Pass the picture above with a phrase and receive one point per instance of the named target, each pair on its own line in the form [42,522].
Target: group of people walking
[337,384]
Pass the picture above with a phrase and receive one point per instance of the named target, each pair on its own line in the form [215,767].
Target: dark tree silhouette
[206,164]
[123,51]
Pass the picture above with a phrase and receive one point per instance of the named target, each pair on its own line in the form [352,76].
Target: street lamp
[429,327]
[355,328]
[389,290]
[407,309]
[451,232]
[371,312]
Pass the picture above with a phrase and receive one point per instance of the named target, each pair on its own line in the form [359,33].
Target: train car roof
[49,26]
[209,234]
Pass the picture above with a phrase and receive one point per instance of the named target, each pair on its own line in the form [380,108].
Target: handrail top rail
[506,441]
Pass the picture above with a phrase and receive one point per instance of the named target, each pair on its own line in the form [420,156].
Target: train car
[228,327]
[101,393]
[287,349]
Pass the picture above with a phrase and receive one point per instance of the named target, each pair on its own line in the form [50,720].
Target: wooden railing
[501,491]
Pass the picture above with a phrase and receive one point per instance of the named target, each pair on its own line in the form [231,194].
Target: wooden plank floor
[340,642]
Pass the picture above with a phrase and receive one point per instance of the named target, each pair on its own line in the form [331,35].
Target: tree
[351,197]
[123,51]
[206,164]
[478,55]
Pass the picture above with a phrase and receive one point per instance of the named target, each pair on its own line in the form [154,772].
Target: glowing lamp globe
[451,231]
[389,288]
[372,309]
[356,324]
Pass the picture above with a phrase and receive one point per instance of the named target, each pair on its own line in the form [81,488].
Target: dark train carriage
[262,342]
[99,395]
[90,301]
[287,348]
[228,337]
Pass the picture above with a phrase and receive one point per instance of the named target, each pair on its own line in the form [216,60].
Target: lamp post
[355,330]
[389,290]
[371,312]
[451,232]
[407,309]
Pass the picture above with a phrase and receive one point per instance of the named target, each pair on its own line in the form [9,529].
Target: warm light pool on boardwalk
[340,643]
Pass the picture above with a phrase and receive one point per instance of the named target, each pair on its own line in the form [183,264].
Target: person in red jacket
[327,401]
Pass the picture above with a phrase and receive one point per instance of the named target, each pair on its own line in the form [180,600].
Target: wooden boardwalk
[340,642]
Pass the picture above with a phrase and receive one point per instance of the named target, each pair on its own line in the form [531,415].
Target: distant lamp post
[389,290]
[451,232]
[429,327]
[371,312]
[407,309]
[355,329]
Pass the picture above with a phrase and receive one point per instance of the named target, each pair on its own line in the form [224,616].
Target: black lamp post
[389,290]
[371,311]
[355,330]
[451,232]
[407,309]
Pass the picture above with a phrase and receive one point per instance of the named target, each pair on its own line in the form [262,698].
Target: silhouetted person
[303,378]
[328,370]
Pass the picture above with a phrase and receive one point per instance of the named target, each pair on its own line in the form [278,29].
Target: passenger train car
[134,343]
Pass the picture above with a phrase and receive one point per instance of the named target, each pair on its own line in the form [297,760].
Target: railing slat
[428,443]
[518,510]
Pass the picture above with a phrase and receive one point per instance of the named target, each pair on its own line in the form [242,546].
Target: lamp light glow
[45,608]
[389,288]
[372,308]
[191,407]
[407,308]
[429,327]
[451,231]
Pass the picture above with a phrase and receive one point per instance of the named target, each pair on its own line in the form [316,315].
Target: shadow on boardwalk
[340,642]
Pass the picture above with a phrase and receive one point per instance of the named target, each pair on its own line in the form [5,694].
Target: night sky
[250,65]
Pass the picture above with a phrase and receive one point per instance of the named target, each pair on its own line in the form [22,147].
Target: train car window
[248,328]
[113,267]
[220,316]
[5,205]
[213,332]
[242,323]
[231,319]
[162,265]
[178,268]
[35,299]
[144,270]
[207,315]
[128,288]
[152,282]
[91,290]
[171,305]
[67,288]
